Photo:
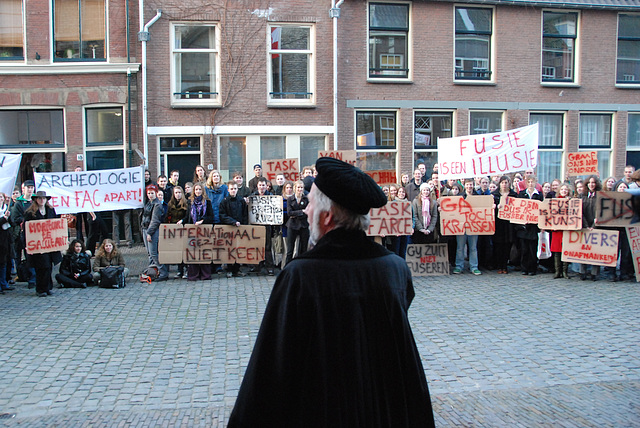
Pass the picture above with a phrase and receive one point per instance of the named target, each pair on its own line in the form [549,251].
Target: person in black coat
[503,237]
[75,269]
[199,211]
[297,225]
[528,233]
[42,263]
[234,212]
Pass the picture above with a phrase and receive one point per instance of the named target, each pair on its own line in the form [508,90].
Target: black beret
[348,186]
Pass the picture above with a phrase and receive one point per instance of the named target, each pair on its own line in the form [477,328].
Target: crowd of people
[206,199]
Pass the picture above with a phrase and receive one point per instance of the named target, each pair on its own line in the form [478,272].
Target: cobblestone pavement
[498,350]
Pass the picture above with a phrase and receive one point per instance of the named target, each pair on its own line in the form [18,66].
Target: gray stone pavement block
[497,350]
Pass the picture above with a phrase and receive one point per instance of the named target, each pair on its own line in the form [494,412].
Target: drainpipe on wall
[334,13]
[143,36]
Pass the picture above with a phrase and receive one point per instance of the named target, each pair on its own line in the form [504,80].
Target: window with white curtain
[550,145]
[595,135]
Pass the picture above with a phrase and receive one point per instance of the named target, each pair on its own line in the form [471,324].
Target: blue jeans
[152,250]
[3,276]
[472,243]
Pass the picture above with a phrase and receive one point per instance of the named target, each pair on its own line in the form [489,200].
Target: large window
[11,31]
[291,64]
[273,147]
[79,30]
[104,138]
[194,68]
[233,156]
[375,130]
[309,148]
[633,140]
[595,135]
[485,122]
[388,40]
[559,32]
[550,145]
[181,153]
[20,128]
[473,43]
[628,70]
[428,127]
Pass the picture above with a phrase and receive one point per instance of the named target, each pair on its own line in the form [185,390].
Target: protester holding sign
[593,185]
[528,233]
[261,190]
[176,211]
[75,269]
[504,235]
[233,211]
[216,192]
[624,250]
[297,225]
[42,263]
[425,216]
[471,241]
[561,268]
[150,223]
[199,211]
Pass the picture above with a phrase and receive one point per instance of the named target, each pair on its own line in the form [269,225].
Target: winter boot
[565,270]
[558,265]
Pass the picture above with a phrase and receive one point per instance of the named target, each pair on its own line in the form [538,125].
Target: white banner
[103,190]
[9,165]
[488,154]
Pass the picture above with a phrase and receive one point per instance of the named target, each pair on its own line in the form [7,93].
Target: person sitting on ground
[107,255]
[75,269]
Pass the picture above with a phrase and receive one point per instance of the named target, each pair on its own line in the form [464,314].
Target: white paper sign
[9,165]
[488,154]
[103,190]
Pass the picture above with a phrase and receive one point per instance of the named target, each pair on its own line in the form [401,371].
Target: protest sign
[206,243]
[582,163]
[614,208]
[633,233]
[171,243]
[560,214]
[242,244]
[348,156]
[287,167]
[9,166]
[265,209]
[46,236]
[428,259]
[519,210]
[594,247]
[473,216]
[103,190]
[393,219]
[383,176]
[488,154]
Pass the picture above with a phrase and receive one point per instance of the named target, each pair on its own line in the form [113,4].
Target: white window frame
[196,100]
[627,77]
[52,46]
[557,149]
[599,148]
[311,83]
[576,52]
[491,61]
[22,59]
[107,147]
[388,76]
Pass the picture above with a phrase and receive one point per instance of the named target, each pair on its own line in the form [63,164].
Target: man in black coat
[335,348]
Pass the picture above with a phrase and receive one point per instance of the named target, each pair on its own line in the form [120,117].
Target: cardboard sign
[46,236]
[582,163]
[386,176]
[473,216]
[428,259]
[488,154]
[287,167]
[206,243]
[594,247]
[633,233]
[394,219]
[560,214]
[171,243]
[265,209]
[9,166]
[104,190]
[614,208]
[519,210]
[348,156]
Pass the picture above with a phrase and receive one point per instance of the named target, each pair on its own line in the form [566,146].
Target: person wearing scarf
[199,211]
[425,215]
